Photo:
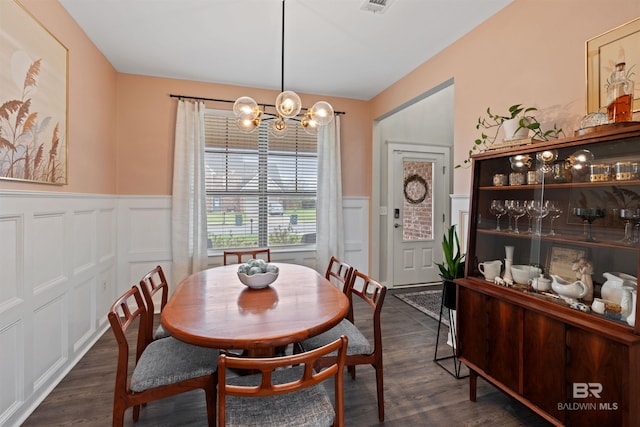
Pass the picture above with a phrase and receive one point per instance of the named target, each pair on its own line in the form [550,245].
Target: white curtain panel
[188,208]
[330,232]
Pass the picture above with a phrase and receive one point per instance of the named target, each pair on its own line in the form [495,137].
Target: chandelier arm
[231,101]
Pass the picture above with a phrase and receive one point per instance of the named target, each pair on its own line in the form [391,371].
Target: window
[261,190]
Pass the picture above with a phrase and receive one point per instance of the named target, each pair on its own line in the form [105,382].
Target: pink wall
[91,108]
[532,52]
[121,126]
[146,127]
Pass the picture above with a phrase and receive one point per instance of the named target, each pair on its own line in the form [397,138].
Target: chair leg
[352,371]
[136,412]
[380,389]
[211,400]
[118,415]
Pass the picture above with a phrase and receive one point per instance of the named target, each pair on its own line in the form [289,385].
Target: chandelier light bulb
[278,128]
[248,125]
[322,113]
[309,125]
[288,104]
[520,163]
[547,156]
[580,161]
[246,107]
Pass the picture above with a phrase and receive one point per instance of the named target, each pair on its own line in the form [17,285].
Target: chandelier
[288,108]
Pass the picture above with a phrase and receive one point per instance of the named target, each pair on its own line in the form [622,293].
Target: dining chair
[163,367]
[359,351]
[338,273]
[152,283]
[265,253]
[286,391]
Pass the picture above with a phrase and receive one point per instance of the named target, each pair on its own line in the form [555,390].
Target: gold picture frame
[561,259]
[33,99]
[603,53]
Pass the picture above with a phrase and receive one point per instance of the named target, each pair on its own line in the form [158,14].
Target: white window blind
[261,190]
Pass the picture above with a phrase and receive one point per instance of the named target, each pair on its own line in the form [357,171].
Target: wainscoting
[65,257]
[58,263]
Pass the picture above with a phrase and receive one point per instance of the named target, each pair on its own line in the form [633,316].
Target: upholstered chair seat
[310,407]
[169,361]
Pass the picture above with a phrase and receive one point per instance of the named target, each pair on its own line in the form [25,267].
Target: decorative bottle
[620,95]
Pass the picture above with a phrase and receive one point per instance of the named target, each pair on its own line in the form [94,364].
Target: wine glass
[518,210]
[508,204]
[589,215]
[537,210]
[630,215]
[497,208]
[554,213]
[529,216]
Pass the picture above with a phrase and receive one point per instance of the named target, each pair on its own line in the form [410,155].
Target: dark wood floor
[417,391]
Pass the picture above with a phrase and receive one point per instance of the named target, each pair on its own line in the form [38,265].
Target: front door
[419,192]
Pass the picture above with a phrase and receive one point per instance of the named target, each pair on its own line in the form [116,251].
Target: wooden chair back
[339,273]
[128,310]
[150,284]
[372,293]
[267,366]
[264,253]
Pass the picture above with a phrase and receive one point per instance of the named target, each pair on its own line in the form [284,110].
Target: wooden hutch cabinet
[572,363]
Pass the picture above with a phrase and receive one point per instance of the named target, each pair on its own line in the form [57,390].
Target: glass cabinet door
[561,221]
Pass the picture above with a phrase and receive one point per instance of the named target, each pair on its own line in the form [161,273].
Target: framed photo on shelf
[33,99]
[561,259]
[603,53]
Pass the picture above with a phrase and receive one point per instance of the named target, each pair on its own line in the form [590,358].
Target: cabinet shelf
[564,239]
[561,185]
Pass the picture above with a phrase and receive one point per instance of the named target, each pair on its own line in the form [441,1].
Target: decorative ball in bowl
[257,274]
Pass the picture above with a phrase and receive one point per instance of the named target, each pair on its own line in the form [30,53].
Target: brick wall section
[418,218]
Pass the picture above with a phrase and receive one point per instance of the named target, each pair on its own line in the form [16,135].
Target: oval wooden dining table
[212,308]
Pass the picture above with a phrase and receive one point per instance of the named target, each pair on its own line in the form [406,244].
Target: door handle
[396,225]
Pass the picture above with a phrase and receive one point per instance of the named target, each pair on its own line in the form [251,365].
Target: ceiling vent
[376,6]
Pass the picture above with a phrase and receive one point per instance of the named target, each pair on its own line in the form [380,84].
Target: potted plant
[452,266]
[517,124]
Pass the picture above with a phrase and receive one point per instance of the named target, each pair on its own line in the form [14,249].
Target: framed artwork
[621,44]
[33,99]
[561,259]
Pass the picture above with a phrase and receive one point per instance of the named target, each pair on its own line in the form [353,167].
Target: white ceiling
[332,47]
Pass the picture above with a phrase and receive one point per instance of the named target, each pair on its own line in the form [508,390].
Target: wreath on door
[420,181]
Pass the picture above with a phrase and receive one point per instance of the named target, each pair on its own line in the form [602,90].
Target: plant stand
[448,303]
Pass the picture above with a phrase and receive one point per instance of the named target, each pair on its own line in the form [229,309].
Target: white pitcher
[629,305]
[490,269]
[631,319]
[612,288]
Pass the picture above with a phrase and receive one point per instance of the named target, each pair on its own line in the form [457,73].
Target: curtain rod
[199,98]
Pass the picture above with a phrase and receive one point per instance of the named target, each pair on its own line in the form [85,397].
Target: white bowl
[522,273]
[258,281]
